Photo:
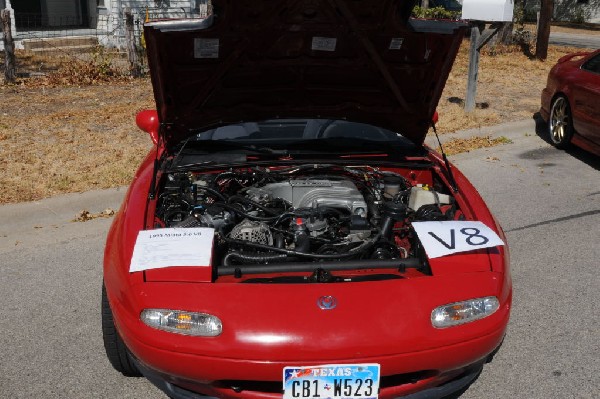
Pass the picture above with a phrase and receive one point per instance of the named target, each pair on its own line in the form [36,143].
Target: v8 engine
[308,213]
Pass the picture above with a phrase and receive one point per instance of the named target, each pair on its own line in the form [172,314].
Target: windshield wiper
[210,146]
[221,152]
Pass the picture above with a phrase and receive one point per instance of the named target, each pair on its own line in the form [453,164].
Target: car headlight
[457,313]
[181,322]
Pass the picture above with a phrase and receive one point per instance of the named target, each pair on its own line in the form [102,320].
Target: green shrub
[579,16]
[434,13]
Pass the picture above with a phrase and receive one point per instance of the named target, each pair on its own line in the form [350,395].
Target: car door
[586,100]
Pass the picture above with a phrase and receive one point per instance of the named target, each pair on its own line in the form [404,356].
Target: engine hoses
[288,252]
[245,257]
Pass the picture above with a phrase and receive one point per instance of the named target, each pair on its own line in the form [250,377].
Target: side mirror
[147,120]
[435,118]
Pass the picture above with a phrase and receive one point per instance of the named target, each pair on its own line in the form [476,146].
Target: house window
[100,3]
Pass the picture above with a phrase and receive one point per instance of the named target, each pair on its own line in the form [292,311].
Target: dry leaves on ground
[456,146]
[85,215]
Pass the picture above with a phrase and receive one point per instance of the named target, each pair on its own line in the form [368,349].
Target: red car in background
[571,102]
[289,235]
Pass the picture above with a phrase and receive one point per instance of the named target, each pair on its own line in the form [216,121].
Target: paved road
[547,200]
[575,40]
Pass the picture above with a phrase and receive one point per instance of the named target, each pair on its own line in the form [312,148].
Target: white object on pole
[488,10]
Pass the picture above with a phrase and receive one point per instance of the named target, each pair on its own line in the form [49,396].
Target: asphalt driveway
[574,39]
[547,200]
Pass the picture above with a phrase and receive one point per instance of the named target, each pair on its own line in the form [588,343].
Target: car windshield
[297,133]
[293,139]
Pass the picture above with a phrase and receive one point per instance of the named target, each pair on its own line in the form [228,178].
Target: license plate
[332,381]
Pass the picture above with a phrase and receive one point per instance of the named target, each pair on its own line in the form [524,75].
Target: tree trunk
[543,34]
[425,4]
[505,33]
[10,74]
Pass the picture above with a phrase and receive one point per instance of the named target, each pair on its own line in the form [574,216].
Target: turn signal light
[181,322]
[463,312]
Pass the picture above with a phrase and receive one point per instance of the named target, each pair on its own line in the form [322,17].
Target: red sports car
[571,102]
[289,235]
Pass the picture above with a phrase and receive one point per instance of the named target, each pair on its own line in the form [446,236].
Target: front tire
[116,351]
[560,123]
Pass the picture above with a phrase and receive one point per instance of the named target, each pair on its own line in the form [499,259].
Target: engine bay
[330,221]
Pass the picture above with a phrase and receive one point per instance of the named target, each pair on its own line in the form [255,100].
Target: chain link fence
[83,39]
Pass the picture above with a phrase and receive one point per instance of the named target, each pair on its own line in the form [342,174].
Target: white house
[101,18]
[110,15]
[576,11]
[35,14]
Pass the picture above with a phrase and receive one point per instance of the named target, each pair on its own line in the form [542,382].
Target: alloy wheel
[560,122]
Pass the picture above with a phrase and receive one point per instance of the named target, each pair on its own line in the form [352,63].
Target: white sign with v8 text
[449,237]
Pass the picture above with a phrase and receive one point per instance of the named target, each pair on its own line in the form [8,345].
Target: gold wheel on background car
[560,126]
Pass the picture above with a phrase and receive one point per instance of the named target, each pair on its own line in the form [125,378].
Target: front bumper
[424,360]
[458,383]
[435,378]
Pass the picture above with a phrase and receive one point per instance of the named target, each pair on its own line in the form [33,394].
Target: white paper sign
[449,237]
[160,248]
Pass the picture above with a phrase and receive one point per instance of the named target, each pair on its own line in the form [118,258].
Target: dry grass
[69,139]
[456,146]
[56,139]
[508,89]
[36,63]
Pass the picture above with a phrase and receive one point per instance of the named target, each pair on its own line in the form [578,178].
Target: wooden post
[473,69]
[478,40]
[543,33]
[134,65]
[10,74]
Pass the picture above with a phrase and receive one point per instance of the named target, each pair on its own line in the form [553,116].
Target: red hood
[363,61]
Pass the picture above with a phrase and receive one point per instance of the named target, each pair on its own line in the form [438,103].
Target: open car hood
[364,61]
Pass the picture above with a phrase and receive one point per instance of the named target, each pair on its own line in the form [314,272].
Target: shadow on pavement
[459,393]
[541,129]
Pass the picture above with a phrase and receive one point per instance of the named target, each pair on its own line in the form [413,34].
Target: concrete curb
[59,209]
[48,221]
